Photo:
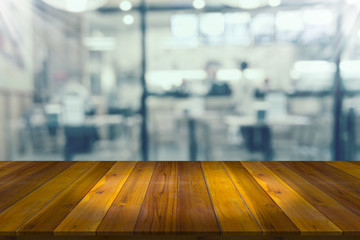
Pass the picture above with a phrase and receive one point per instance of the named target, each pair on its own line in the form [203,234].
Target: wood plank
[195,214]
[182,237]
[333,174]
[49,217]
[232,213]
[269,216]
[347,167]
[357,163]
[184,198]
[124,212]
[158,213]
[29,169]
[332,209]
[11,166]
[32,203]
[307,218]
[4,163]
[327,184]
[26,179]
[87,215]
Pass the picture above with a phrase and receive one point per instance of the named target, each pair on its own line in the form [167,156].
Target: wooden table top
[180,198]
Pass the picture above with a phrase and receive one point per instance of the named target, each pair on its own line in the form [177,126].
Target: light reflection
[274,3]
[128,19]
[199,4]
[125,5]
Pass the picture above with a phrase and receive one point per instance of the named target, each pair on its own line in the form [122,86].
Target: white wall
[16,19]
[16,66]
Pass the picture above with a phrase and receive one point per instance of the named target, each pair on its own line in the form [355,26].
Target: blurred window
[319,26]
[237,29]
[185,29]
[212,27]
[289,25]
[263,28]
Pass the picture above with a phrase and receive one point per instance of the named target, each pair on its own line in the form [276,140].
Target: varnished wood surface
[179,200]
[158,212]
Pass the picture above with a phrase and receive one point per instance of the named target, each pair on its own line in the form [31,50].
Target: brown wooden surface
[231,211]
[88,214]
[32,203]
[167,200]
[124,211]
[328,184]
[49,217]
[301,212]
[158,213]
[27,178]
[269,215]
[347,167]
[7,167]
[332,209]
[4,163]
[195,213]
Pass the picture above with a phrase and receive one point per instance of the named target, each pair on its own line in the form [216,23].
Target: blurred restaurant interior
[179,80]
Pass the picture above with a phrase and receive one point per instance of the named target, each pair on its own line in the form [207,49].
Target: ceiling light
[125,5]
[274,3]
[76,5]
[249,4]
[128,19]
[199,4]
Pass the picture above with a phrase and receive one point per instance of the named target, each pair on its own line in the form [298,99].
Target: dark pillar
[338,99]
[192,139]
[338,93]
[144,132]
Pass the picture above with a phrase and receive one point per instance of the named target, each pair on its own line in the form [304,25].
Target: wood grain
[307,218]
[10,167]
[181,237]
[49,217]
[124,212]
[231,211]
[334,175]
[195,212]
[269,216]
[99,199]
[332,209]
[347,167]
[158,213]
[27,169]
[26,179]
[32,203]
[179,200]
[326,183]
[3,163]
[357,163]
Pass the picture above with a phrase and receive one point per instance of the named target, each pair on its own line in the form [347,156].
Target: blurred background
[179,80]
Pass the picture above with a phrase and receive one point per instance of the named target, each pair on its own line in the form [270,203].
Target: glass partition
[181,80]
[241,84]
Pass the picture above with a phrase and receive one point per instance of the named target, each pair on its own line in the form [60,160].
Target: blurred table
[257,133]
[284,120]
[104,120]
[193,121]
[80,138]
